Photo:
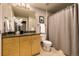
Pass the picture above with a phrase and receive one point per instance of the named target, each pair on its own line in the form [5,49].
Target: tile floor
[53,52]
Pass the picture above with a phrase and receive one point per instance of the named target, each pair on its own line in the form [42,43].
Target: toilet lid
[47,42]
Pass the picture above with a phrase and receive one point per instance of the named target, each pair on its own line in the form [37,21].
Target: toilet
[45,43]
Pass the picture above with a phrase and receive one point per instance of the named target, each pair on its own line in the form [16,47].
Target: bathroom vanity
[21,45]
[23,20]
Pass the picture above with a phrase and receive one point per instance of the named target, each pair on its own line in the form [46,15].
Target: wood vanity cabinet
[21,46]
[11,46]
[25,46]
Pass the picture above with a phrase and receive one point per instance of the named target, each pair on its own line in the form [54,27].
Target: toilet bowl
[45,43]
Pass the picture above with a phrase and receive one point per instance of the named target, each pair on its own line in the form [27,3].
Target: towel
[7,26]
[42,28]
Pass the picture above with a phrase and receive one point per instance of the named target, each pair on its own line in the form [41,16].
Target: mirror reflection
[22,21]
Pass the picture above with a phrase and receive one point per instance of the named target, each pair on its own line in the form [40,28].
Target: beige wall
[0,17]
[38,13]
[0,25]
[7,12]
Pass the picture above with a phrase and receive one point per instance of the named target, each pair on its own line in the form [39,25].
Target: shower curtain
[63,30]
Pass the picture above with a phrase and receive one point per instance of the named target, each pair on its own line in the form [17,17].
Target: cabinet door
[25,46]
[35,44]
[11,46]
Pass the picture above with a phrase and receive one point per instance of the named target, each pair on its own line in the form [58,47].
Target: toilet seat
[47,43]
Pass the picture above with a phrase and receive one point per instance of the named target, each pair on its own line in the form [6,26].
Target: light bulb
[23,4]
[28,5]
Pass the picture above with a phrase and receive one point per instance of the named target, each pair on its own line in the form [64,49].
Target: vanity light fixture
[24,5]
[28,6]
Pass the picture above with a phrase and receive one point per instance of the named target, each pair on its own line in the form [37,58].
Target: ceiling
[22,12]
[51,7]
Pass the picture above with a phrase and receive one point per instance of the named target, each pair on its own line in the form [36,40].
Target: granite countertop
[16,35]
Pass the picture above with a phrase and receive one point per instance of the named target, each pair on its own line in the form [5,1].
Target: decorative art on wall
[41,19]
